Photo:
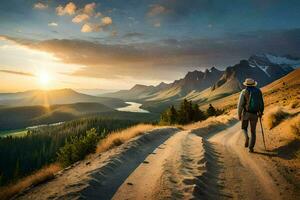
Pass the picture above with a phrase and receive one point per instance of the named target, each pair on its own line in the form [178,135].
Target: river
[133,107]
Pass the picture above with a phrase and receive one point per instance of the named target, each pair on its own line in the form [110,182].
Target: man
[250,107]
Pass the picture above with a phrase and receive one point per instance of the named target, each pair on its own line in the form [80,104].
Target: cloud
[114,33]
[69,9]
[98,14]
[80,18]
[96,27]
[89,9]
[165,58]
[176,10]
[157,24]
[157,9]
[40,6]
[90,27]
[133,35]
[53,24]
[16,72]
[106,21]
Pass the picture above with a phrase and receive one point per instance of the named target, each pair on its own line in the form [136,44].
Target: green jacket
[243,101]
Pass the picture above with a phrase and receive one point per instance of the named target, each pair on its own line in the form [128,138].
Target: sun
[44,78]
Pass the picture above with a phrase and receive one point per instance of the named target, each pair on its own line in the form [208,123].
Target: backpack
[253,97]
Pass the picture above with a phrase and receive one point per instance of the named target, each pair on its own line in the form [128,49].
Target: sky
[115,44]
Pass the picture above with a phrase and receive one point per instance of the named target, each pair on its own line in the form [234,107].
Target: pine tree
[173,115]
[17,170]
[211,111]
[198,114]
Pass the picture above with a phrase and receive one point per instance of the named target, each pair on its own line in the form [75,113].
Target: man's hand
[240,117]
[260,114]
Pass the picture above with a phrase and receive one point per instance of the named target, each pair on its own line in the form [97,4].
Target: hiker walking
[250,107]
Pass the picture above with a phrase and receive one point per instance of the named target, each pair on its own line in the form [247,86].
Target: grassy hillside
[284,90]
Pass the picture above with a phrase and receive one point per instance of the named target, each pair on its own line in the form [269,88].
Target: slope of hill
[280,90]
[52,97]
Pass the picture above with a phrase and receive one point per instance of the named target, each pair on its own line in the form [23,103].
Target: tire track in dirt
[186,166]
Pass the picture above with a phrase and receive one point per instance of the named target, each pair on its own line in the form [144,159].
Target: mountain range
[199,86]
[54,97]
[213,83]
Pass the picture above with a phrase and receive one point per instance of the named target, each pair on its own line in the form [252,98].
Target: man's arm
[240,105]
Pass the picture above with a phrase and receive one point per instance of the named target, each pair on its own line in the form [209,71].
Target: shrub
[295,125]
[188,112]
[276,116]
[77,148]
[119,137]
[295,104]
[212,111]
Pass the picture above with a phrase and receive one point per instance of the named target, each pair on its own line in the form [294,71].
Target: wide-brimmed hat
[249,82]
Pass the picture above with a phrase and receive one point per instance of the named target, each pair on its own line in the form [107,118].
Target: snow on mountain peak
[281,60]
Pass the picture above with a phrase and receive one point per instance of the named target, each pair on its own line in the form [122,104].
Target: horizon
[110,45]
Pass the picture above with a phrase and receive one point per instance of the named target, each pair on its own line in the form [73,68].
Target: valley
[133,107]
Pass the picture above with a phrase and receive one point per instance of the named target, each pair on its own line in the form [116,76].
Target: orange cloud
[89,9]
[16,72]
[80,18]
[106,21]
[90,27]
[69,9]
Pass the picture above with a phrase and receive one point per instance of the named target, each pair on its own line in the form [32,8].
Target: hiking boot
[247,143]
[251,150]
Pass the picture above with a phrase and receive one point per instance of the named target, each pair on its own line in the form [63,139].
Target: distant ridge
[53,97]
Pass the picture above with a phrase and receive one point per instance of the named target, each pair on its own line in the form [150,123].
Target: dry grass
[275,116]
[211,121]
[117,138]
[40,176]
[294,125]
[295,104]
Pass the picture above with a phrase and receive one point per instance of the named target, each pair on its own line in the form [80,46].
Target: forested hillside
[20,156]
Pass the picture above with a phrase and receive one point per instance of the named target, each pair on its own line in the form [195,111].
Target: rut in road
[202,164]
[184,167]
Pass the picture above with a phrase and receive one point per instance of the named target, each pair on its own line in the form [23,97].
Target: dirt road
[169,163]
[191,165]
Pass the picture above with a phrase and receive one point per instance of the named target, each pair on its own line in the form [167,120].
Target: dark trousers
[252,121]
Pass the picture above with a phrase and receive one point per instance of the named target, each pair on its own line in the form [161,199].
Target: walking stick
[262,132]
